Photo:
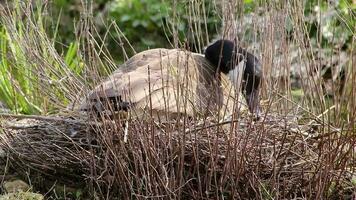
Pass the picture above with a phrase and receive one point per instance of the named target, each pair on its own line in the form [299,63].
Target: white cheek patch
[235,75]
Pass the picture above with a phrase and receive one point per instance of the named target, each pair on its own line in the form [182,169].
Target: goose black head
[226,56]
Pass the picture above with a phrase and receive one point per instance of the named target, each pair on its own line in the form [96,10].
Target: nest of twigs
[240,158]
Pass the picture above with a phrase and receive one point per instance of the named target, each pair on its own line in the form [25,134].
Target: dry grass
[273,158]
[303,149]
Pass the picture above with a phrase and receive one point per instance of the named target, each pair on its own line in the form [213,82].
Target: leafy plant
[141,21]
[30,66]
[334,21]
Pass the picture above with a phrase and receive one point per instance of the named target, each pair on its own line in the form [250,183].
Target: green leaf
[125,18]
[136,23]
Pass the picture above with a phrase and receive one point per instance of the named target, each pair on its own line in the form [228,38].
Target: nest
[239,158]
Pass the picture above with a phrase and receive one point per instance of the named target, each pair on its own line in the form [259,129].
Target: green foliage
[334,21]
[72,60]
[15,83]
[141,20]
[149,24]
[249,6]
[29,65]
[146,24]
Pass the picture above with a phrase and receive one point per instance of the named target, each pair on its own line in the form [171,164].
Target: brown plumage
[163,82]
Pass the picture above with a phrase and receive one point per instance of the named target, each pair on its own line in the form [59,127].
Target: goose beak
[253,102]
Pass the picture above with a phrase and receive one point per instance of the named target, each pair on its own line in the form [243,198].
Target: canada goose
[178,81]
[163,82]
[226,56]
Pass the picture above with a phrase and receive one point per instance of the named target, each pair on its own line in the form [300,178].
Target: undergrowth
[37,78]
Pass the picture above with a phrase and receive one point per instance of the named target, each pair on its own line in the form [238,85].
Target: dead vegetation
[272,158]
[299,149]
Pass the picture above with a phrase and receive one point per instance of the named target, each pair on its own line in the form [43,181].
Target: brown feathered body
[164,83]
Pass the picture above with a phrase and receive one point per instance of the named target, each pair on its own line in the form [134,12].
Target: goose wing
[164,81]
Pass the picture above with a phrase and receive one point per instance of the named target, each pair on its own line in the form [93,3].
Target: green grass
[16,78]
[33,75]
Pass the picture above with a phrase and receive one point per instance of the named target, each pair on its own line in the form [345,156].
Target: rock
[15,186]
[22,196]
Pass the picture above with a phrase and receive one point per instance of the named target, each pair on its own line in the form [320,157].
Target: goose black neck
[223,55]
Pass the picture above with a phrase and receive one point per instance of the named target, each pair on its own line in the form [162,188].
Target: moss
[22,196]
[297,94]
